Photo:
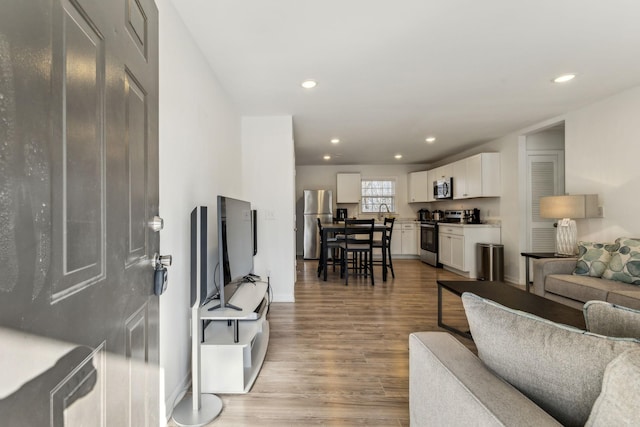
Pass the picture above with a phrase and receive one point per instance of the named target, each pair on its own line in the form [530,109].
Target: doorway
[544,177]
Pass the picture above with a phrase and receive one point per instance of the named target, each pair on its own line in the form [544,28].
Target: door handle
[160,275]
[162,261]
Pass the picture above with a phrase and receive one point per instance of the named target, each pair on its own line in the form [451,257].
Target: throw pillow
[593,258]
[559,367]
[624,265]
[612,320]
[617,404]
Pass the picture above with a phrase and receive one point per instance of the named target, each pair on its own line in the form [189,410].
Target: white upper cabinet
[431,178]
[460,179]
[477,176]
[445,171]
[349,188]
[418,186]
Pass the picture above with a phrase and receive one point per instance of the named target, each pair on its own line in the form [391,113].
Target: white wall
[269,167]
[602,149]
[199,150]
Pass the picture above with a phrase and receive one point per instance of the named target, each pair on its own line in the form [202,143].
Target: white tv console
[235,342]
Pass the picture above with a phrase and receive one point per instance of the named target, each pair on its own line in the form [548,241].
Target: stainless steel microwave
[443,188]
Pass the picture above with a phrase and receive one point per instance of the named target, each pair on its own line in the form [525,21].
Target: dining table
[332,228]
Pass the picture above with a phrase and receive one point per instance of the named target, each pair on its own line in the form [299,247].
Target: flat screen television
[235,245]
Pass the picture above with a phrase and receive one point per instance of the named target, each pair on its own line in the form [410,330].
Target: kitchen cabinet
[444,171]
[404,239]
[457,247]
[409,241]
[451,250]
[418,186]
[349,188]
[396,239]
[477,176]
[431,177]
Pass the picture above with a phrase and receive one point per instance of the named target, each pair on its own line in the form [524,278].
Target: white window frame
[366,194]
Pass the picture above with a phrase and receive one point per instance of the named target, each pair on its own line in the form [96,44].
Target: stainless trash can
[490,262]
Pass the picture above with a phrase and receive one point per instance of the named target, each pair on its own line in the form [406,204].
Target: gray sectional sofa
[529,371]
[553,278]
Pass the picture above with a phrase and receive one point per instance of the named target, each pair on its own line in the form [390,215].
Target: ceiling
[391,73]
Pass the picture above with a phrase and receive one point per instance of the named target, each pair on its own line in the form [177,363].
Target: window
[376,193]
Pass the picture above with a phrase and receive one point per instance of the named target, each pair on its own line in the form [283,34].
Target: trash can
[490,262]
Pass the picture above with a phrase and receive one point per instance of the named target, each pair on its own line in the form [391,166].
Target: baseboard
[177,394]
[512,280]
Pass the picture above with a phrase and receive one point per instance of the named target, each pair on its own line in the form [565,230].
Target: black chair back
[359,232]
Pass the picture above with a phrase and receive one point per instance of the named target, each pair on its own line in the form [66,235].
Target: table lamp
[565,208]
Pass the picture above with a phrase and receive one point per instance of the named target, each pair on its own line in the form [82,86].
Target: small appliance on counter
[472,216]
[466,216]
[341,214]
[437,215]
[424,215]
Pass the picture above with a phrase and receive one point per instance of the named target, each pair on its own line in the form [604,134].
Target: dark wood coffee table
[511,297]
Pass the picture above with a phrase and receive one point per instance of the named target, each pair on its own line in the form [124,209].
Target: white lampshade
[569,206]
[565,208]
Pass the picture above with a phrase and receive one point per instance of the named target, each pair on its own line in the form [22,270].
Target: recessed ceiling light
[430,139]
[327,157]
[398,156]
[335,140]
[564,78]
[309,84]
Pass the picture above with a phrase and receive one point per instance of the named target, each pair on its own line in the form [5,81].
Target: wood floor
[339,356]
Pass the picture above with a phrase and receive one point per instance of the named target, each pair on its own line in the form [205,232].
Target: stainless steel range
[429,232]
[429,243]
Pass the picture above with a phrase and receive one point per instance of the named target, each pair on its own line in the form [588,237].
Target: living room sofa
[601,271]
[529,371]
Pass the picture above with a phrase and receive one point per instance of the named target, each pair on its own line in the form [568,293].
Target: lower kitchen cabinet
[451,251]
[404,240]
[458,243]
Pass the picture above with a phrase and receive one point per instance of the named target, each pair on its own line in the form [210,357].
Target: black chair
[358,244]
[388,222]
[331,244]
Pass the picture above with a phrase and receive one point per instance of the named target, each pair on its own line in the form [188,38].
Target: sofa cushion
[559,367]
[611,320]
[593,258]
[617,404]
[624,265]
[625,298]
[445,376]
[579,288]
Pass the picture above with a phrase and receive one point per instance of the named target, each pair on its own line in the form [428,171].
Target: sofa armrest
[545,266]
[449,385]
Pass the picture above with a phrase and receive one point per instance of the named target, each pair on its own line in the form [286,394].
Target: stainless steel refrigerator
[317,204]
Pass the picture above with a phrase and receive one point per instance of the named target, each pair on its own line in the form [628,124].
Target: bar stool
[359,243]
[388,222]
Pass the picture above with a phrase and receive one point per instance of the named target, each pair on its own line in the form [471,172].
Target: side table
[536,255]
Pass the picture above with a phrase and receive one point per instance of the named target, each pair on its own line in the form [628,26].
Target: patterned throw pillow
[593,258]
[624,265]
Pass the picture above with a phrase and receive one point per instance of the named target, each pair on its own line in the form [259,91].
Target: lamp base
[567,237]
